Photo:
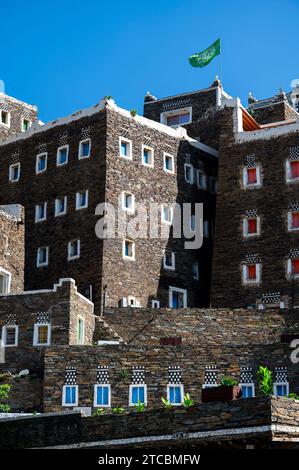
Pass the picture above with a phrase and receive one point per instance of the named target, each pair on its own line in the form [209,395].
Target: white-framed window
[14,172]
[42,257]
[42,334]
[70,395]
[195,270]
[132,301]
[41,212]
[26,124]
[177,117]
[293,221]
[10,335]
[81,200]
[166,214]
[281,389]
[189,171]
[248,390]
[177,297]
[175,394]
[102,396]
[292,171]
[128,202]
[147,156]
[168,163]
[84,149]
[206,229]
[155,303]
[125,148]
[137,393]
[252,177]
[251,226]
[169,260]
[251,273]
[129,250]
[4,118]
[293,268]
[80,330]
[60,206]
[5,281]
[62,155]
[213,185]
[41,162]
[73,250]
[201,179]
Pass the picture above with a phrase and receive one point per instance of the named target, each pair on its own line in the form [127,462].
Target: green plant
[133,112]
[187,401]
[4,408]
[124,374]
[139,407]
[166,403]
[4,393]
[265,380]
[107,97]
[118,410]
[228,381]
[98,412]
[294,396]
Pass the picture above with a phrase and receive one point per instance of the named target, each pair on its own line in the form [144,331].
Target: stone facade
[15,116]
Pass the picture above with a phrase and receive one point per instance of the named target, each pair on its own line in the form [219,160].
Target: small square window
[251,273]
[248,390]
[281,389]
[166,214]
[169,260]
[70,395]
[5,118]
[177,117]
[251,226]
[41,212]
[102,396]
[128,202]
[201,179]
[60,206]
[188,173]
[175,394]
[147,156]
[82,200]
[5,281]
[73,249]
[251,177]
[195,270]
[292,170]
[84,149]
[137,394]
[80,330]
[42,257]
[25,124]
[41,162]
[293,220]
[14,172]
[128,249]
[155,303]
[168,163]
[125,148]
[177,297]
[42,334]
[10,334]
[62,155]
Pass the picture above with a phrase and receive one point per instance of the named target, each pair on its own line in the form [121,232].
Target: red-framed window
[251,176]
[294,220]
[295,266]
[252,225]
[251,272]
[294,167]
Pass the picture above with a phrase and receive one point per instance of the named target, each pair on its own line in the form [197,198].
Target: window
[128,202]
[137,393]
[60,206]
[213,185]
[251,177]
[281,389]
[5,118]
[168,163]
[5,280]
[177,117]
[73,250]
[195,270]
[128,249]
[102,396]
[41,162]
[10,334]
[201,179]
[41,212]
[82,200]
[147,156]
[206,230]
[292,170]
[251,226]
[132,302]
[84,149]
[70,395]
[248,390]
[42,256]
[177,297]
[166,214]
[188,173]
[293,221]
[25,124]
[251,273]
[80,330]
[62,155]
[175,394]
[42,334]
[293,267]
[169,260]
[14,172]
[155,303]
[125,148]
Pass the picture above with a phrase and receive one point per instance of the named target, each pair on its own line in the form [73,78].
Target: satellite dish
[295,83]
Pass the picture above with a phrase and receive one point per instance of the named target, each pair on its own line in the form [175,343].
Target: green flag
[201,59]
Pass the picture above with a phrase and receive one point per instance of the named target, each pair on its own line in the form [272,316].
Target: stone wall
[17,110]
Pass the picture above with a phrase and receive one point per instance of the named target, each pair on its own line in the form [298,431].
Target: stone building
[15,116]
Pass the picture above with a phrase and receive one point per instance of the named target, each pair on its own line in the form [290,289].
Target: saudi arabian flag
[201,59]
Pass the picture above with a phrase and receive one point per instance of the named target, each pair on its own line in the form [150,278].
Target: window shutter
[295,169]
[251,174]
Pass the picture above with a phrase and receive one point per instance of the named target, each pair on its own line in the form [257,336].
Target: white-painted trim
[130,210]
[200,146]
[245,279]
[289,215]
[85,206]
[35,334]
[129,146]
[288,171]
[38,264]
[276,384]
[64,395]
[8,276]
[67,147]
[251,385]
[11,167]
[188,165]
[69,257]
[8,118]
[56,213]
[4,335]
[22,124]
[165,265]
[95,404]
[176,112]
[80,156]
[155,303]
[152,158]
[173,289]
[245,227]
[290,274]
[38,157]
[181,386]
[246,184]
[130,258]
[167,155]
[131,393]
[163,220]
[37,219]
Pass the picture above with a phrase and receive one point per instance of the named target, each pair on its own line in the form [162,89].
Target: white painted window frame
[80,156]
[58,154]
[166,156]
[171,290]
[289,179]
[290,229]
[22,124]
[245,274]
[11,167]
[95,404]
[165,265]
[79,317]
[64,396]
[8,118]
[146,147]
[37,219]
[258,183]
[38,158]
[4,335]
[131,386]
[129,258]
[129,142]
[276,384]
[290,274]
[175,112]
[69,257]
[190,166]
[181,386]
[59,214]
[245,227]
[166,221]
[46,263]
[155,303]
[251,385]
[35,334]
[130,210]
[8,276]
[78,207]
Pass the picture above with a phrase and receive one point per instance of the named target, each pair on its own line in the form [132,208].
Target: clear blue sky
[66,55]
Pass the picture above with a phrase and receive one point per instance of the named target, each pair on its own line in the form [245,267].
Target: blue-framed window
[84,148]
[248,390]
[70,395]
[138,393]
[175,393]
[102,395]
[281,389]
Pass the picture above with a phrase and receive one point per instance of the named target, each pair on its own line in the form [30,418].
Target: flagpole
[220,59]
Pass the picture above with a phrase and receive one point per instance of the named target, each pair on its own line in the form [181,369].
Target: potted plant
[265,380]
[227,390]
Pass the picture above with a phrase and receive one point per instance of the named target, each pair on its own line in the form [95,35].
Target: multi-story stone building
[15,116]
